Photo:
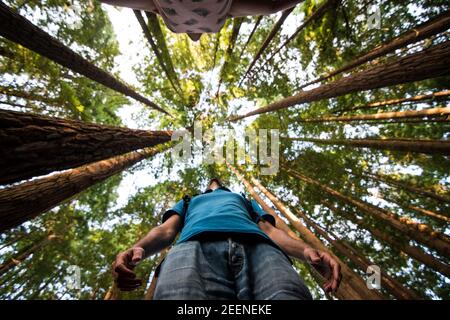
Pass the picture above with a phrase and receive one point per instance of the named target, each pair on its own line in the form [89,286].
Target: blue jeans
[228,269]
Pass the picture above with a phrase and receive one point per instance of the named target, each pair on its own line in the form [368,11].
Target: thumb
[314,257]
[137,255]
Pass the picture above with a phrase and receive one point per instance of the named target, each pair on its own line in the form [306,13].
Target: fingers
[137,255]
[334,281]
[125,284]
[313,256]
[121,267]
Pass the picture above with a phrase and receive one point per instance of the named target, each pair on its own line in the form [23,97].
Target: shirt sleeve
[260,213]
[176,209]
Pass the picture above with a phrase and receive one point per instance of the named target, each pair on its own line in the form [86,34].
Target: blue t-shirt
[219,211]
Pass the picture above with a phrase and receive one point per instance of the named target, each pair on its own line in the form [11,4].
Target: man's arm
[156,240]
[321,261]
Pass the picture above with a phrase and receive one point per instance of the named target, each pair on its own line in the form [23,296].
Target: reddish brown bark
[276,28]
[431,112]
[33,145]
[404,145]
[426,64]
[432,27]
[352,280]
[417,231]
[413,251]
[25,201]
[16,28]
[435,95]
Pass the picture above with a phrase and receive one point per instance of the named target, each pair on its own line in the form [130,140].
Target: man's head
[214,184]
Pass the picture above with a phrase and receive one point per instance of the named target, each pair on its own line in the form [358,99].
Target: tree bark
[413,189]
[155,50]
[410,250]
[149,294]
[390,284]
[405,145]
[33,145]
[431,112]
[237,23]
[430,28]
[24,254]
[350,279]
[16,28]
[22,202]
[425,212]
[426,64]
[435,95]
[417,231]
[255,27]
[267,41]
[315,15]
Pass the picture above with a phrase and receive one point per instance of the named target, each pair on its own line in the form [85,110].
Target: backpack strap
[186,201]
[249,207]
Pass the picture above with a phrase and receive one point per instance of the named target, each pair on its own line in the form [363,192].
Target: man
[229,248]
[195,17]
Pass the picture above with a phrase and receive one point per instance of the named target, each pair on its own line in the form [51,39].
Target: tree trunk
[155,50]
[350,278]
[267,41]
[404,145]
[390,284]
[155,30]
[412,251]
[24,254]
[315,15]
[417,231]
[18,29]
[8,91]
[113,293]
[33,145]
[426,64]
[435,95]
[149,294]
[425,212]
[413,189]
[22,202]
[255,27]
[237,23]
[430,28]
[431,112]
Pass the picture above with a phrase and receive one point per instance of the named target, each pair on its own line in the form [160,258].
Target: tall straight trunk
[33,145]
[22,202]
[276,28]
[237,23]
[417,231]
[155,50]
[430,28]
[412,251]
[113,293]
[390,284]
[24,254]
[18,29]
[404,145]
[435,95]
[430,112]
[422,211]
[156,31]
[408,187]
[149,294]
[7,91]
[255,27]
[350,278]
[426,64]
[320,11]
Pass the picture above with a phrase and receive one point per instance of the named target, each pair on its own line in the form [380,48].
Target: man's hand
[326,266]
[122,268]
